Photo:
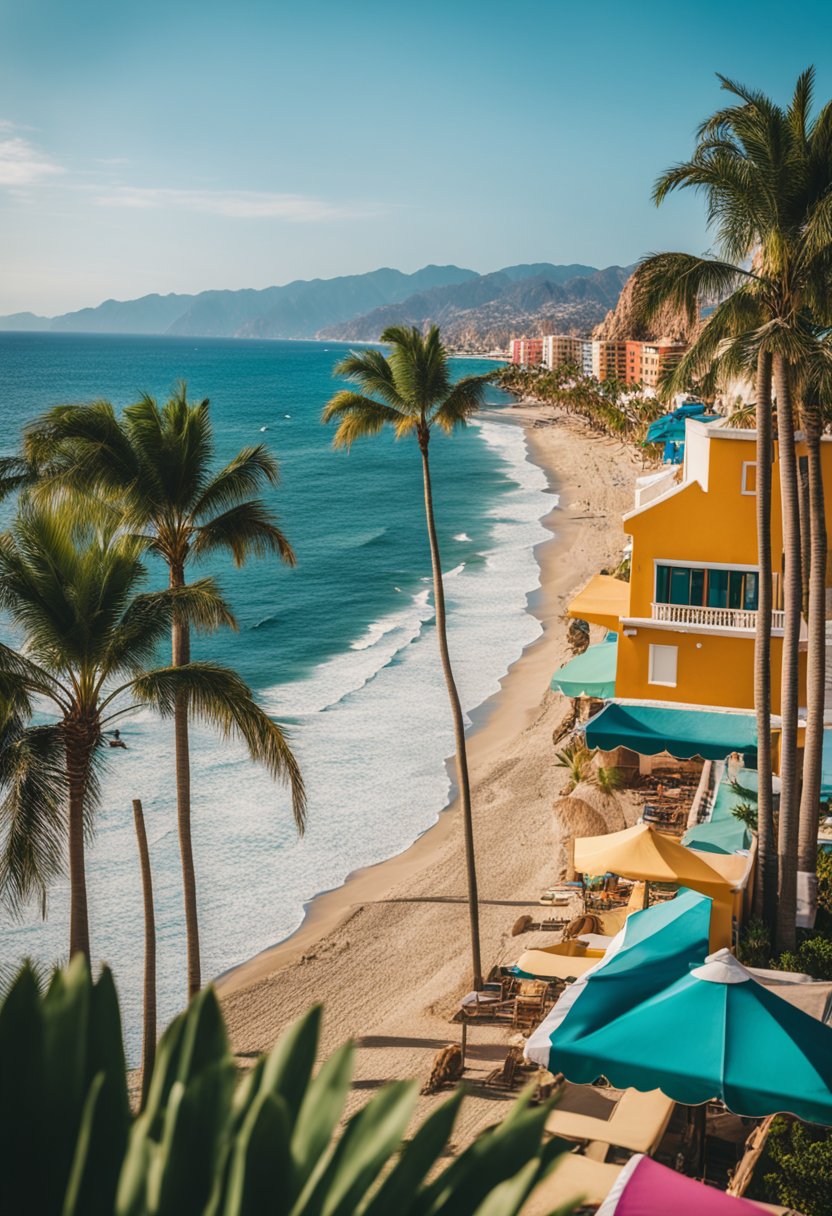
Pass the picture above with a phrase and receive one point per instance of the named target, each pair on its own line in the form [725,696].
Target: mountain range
[475,311]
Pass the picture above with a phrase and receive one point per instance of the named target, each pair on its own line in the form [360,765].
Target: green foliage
[608,778]
[210,1144]
[796,1169]
[813,956]
[754,948]
[746,813]
[575,758]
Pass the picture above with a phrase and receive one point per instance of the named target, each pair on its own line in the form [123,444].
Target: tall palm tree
[411,391]
[157,464]
[88,635]
[766,175]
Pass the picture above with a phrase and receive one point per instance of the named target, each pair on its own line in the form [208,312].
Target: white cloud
[235,204]
[21,164]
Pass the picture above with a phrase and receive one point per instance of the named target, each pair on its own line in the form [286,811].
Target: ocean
[342,649]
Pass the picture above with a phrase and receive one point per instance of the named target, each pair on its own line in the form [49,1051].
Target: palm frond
[462,403]
[247,474]
[359,417]
[372,373]
[244,530]
[32,815]
[221,698]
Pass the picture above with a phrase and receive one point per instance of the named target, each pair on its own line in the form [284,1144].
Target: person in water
[117,740]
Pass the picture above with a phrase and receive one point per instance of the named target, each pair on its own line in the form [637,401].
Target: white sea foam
[462,536]
[371,731]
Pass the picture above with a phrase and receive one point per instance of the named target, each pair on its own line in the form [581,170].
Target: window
[662,667]
[704,586]
[749,477]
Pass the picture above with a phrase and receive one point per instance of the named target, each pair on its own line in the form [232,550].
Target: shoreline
[328,909]
[387,952]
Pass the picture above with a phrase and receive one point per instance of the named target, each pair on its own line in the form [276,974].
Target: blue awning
[684,733]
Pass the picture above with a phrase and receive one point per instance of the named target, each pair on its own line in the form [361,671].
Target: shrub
[210,1144]
[608,778]
[575,758]
[796,1170]
[754,948]
[812,956]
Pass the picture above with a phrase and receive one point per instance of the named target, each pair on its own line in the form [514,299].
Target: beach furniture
[564,961]
[529,1003]
[645,1188]
[575,1176]
[635,1121]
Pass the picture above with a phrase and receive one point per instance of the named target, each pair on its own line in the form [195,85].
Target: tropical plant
[155,464]
[813,956]
[766,175]
[87,635]
[754,947]
[577,760]
[747,813]
[796,1168]
[607,777]
[410,390]
[209,1144]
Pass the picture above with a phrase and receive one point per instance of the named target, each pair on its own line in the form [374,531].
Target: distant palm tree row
[96,493]
[766,175]
[610,406]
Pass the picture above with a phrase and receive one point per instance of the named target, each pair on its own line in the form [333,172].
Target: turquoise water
[342,648]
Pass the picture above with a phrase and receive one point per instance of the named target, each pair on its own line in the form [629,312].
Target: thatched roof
[607,806]
[575,817]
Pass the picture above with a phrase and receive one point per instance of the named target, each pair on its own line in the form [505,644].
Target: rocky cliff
[621,322]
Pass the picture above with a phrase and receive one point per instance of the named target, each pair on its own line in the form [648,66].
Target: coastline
[387,951]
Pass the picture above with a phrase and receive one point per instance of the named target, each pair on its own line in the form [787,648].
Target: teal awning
[718,836]
[684,733]
[591,674]
[672,426]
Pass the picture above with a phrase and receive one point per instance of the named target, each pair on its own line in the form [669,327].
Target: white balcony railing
[715,618]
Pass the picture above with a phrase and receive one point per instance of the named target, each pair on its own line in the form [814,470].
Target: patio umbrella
[713,1033]
[645,1188]
[642,852]
[591,674]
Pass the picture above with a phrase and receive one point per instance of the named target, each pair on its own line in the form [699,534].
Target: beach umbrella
[714,1033]
[645,1188]
[641,852]
[591,674]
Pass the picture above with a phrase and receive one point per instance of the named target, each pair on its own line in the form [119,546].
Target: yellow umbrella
[642,852]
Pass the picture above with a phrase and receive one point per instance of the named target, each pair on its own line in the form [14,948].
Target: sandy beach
[387,954]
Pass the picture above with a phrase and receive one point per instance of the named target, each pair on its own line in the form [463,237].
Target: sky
[177,146]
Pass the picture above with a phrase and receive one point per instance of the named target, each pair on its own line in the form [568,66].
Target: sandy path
[388,953]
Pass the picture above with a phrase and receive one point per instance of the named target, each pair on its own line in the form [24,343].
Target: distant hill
[479,310]
[486,312]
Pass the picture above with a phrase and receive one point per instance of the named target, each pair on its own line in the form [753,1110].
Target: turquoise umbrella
[718,836]
[591,674]
[713,1033]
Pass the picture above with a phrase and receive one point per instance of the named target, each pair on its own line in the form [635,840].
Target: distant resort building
[632,362]
[526,352]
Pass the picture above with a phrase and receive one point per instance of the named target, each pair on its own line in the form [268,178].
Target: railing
[715,618]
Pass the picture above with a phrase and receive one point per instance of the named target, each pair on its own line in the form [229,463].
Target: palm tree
[410,390]
[156,462]
[149,1000]
[70,588]
[766,174]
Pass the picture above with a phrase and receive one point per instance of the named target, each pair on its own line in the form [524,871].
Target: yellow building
[687,617]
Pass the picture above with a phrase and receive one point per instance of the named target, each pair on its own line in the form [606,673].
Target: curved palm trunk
[807,845]
[149,1028]
[459,726]
[78,750]
[765,893]
[181,654]
[792,603]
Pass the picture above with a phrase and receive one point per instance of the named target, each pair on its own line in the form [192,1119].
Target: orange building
[526,352]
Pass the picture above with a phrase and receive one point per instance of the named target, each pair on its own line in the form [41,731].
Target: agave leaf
[289,1065]
[508,1197]
[165,1069]
[400,1191]
[204,1039]
[370,1138]
[66,1009]
[259,1178]
[183,1178]
[320,1111]
[87,1192]
[21,1094]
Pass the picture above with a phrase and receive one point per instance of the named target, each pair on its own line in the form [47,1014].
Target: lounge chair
[637,1123]
[574,1177]
[564,961]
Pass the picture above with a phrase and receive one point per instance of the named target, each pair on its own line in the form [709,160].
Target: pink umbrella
[645,1188]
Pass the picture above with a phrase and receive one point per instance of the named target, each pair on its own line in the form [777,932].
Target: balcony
[698,616]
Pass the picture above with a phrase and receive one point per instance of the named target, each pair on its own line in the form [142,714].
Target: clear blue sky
[183,145]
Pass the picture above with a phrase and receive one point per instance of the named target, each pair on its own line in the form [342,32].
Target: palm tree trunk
[149,1031]
[181,654]
[459,726]
[766,889]
[78,750]
[792,603]
[807,844]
